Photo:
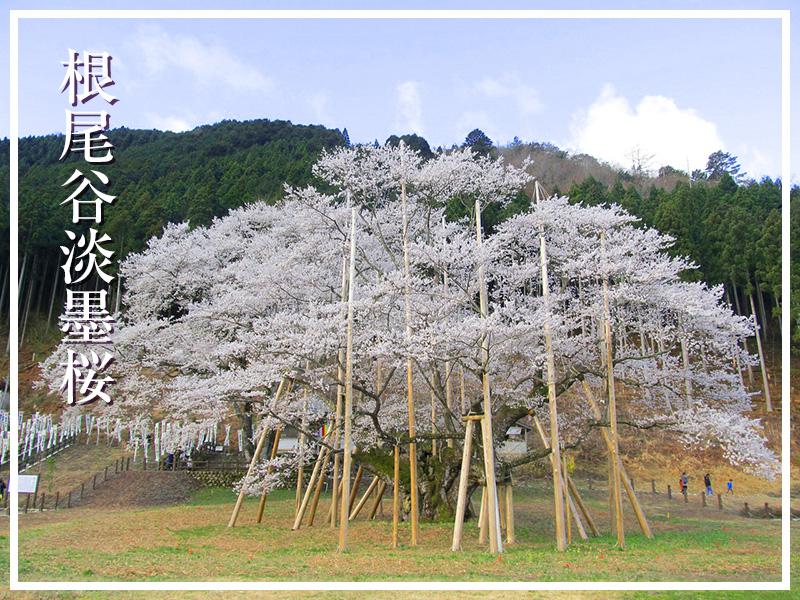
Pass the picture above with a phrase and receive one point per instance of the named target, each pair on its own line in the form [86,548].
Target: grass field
[190,542]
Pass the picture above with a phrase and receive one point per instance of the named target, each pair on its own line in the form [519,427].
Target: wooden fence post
[69,499]
[105,474]
[719,501]
[27,501]
[41,504]
[633,487]
[94,481]
[653,483]
[56,506]
[669,491]
[128,464]
[746,510]
[82,491]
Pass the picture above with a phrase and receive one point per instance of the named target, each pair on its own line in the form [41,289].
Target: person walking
[730,486]
[707,482]
[684,483]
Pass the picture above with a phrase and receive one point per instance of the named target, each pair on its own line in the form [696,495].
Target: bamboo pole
[764,378]
[637,508]
[612,405]
[461,502]
[348,406]
[412,446]
[377,501]
[561,538]
[495,541]
[396,496]
[256,455]
[370,488]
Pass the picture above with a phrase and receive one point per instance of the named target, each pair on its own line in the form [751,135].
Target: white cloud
[209,65]
[319,107]
[610,129]
[526,97]
[409,108]
[167,122]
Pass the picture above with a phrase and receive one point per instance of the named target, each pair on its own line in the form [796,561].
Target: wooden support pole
[273,453]
[719,501]
[637,508]
[370,488]
[298,494]
[764,378]
[511,536]
[582,506]
[354,490]
[396,496]
[344,517]
[483,518]
[461,502]
[568,489]
[558,499]
[320,482]
[412,446]
[304,502]
[567,505]
[377,501]
[619,524]
[254,460]
[493,511]
[337,426]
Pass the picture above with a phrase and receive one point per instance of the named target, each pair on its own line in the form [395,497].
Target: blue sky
[674,89]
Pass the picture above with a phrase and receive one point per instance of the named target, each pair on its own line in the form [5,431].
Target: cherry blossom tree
[216,317]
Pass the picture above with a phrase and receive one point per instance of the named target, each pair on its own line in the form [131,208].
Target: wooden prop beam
[307,496]
[619,523]
[318,491]
[253,461]
[273,453]
[461,502]
[337,427]
[344,519]
[396,496]
[370,488]
[354,490]
[412,446]
[377,502]
[566,479]
[637,508]
[552,401]
[495,539]
[511,536]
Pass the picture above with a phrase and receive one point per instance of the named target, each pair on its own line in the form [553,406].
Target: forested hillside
[731,230]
